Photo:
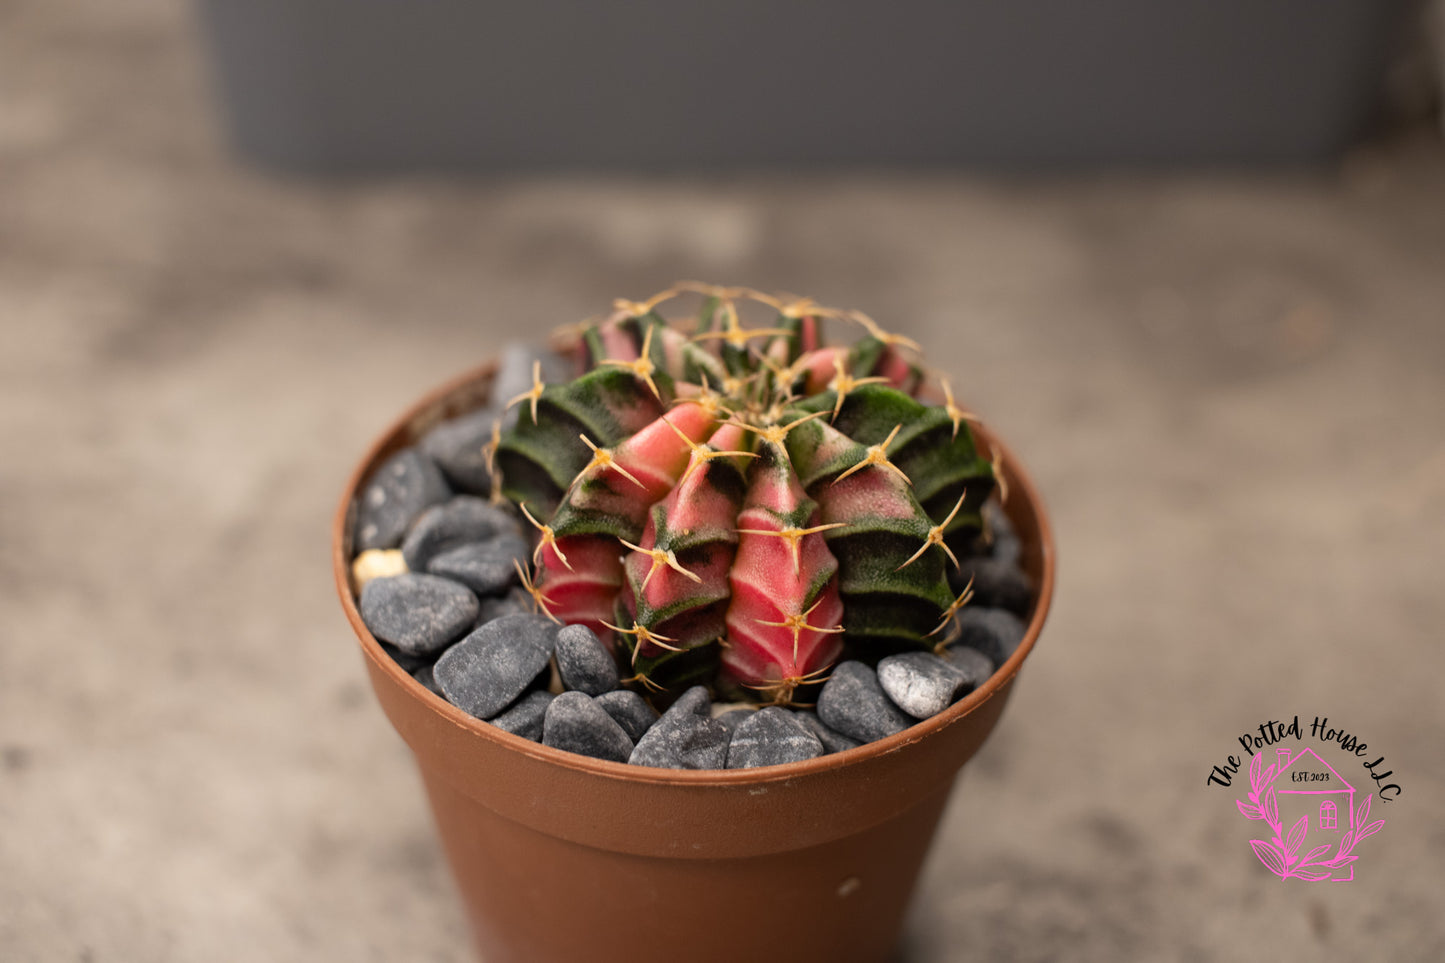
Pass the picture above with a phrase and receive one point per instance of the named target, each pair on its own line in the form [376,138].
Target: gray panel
[337,84]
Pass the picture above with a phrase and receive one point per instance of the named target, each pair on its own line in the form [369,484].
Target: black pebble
[996,584]
[694,700]
[584,662]
[629,710]
[408,662]
[514,377]
[458,448]
[686,737]
[832,739]
[525,716]
[515,602]
[485,672]
[771,737]
[1004,545]
[486,568]
[427,677]
[975,666]
[419,614]
[461,521]
[406,484]
[734,718]
[576,723]
[853,703]
[994,632]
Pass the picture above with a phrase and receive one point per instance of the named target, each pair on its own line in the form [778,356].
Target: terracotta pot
[560,857]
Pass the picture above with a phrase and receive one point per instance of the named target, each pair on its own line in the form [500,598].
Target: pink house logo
[1301,791]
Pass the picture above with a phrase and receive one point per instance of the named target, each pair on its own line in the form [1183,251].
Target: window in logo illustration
[1326,822]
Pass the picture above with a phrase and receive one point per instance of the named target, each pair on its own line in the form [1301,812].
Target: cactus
[740,505]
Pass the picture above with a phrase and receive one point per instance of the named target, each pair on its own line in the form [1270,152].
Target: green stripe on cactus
[672,669]
[969,518]
[817,450]
[873,562]
[592,345]
[657,352]
[571,520]
[870,357]
[713,317]
[676,672]
[879,584]
[938,489]
[884,525]
[878,625]
[699,367]
[870,413]
[661,619]
[865,356]
[794,338]
[709,315]
[915,529]
[735,360]
[925,449]
[610,403]
[539,459]
[690,539]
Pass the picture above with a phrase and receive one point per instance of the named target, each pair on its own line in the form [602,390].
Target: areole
[561,857]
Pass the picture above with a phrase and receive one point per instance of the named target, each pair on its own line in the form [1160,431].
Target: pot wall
[532,896]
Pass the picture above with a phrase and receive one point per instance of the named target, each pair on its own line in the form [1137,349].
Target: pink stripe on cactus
[897,370]
[656,455]
[617,343]
[775,581]
[585,592]
[873,492]
[821,366]
[808,335]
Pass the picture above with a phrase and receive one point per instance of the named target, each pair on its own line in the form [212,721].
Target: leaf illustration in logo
[1347,841]
[1369,830]
[1271,806]
[1315,854]
[1296,836]
[1362,812]
[1270,855]
[1256,773]
[1250,812]
[1313,873]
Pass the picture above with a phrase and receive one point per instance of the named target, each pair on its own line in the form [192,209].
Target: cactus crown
[739,505]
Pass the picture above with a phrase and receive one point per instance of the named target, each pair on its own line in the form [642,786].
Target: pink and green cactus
[737,505]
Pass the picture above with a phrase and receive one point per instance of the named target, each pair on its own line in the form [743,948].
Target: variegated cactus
[737,506]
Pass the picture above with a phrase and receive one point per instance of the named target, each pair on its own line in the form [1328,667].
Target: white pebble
[376,563]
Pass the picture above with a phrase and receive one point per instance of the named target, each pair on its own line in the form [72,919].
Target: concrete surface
[1229,387]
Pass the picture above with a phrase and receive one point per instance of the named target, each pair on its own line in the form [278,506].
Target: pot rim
[426,411]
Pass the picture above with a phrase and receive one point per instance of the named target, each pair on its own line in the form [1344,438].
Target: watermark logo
[1317,818]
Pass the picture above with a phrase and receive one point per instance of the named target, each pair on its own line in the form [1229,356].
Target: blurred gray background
[1226,380]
